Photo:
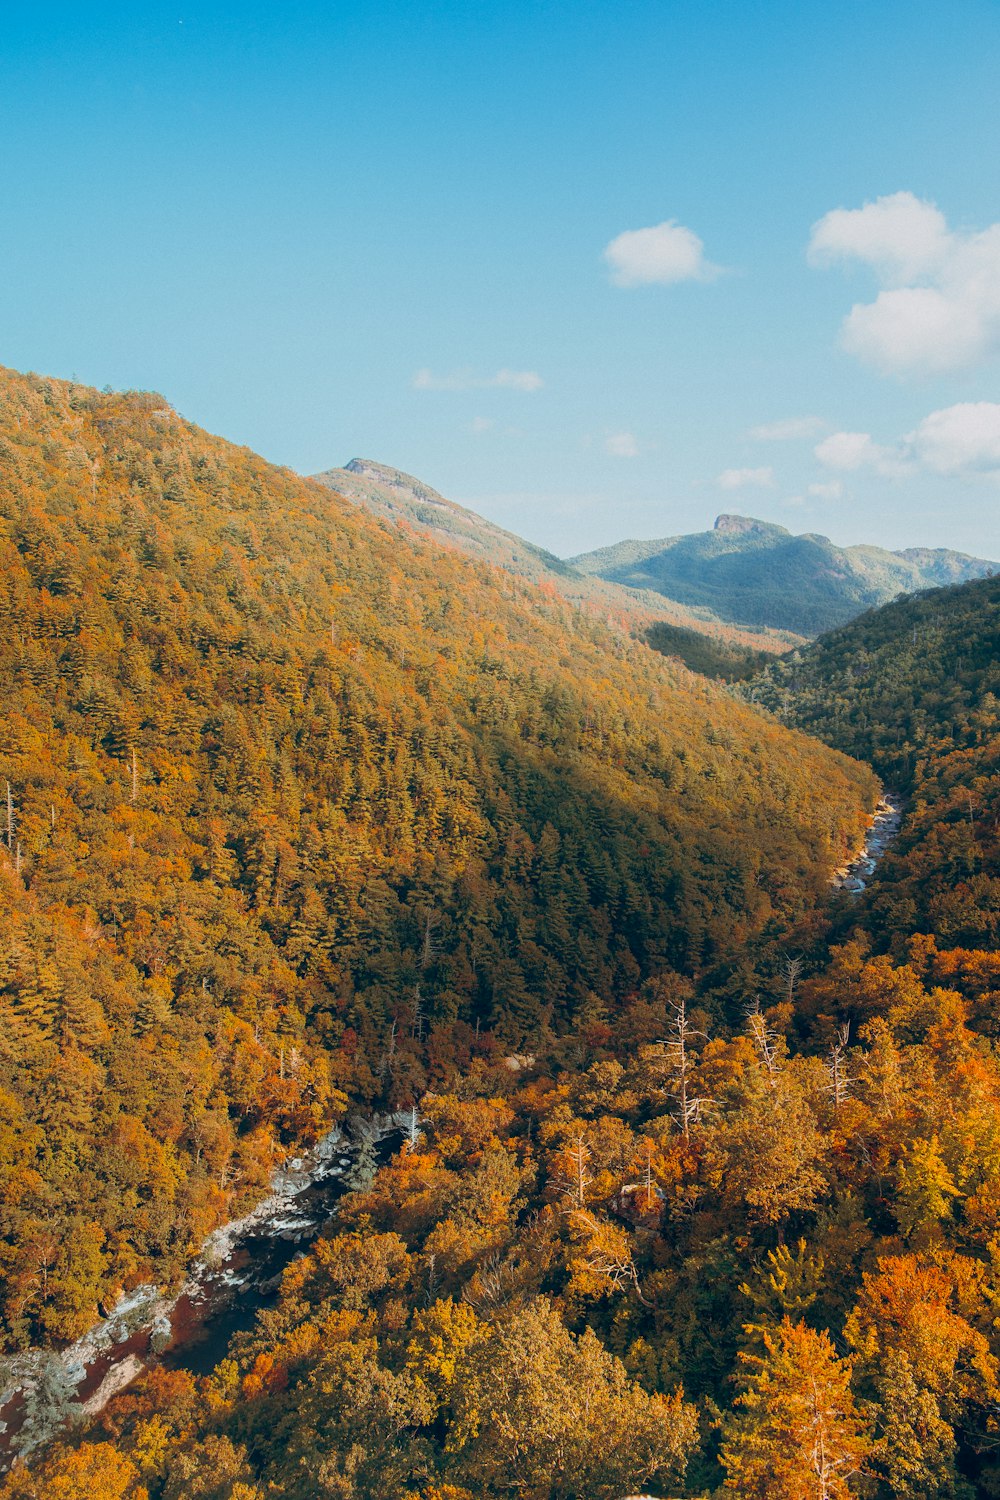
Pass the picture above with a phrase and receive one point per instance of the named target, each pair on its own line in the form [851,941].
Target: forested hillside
[296,812]
[727,1225]
[695,1254]
[915,690]
[710,654]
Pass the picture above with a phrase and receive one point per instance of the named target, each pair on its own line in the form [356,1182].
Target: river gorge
[239,1269]
[237,1273]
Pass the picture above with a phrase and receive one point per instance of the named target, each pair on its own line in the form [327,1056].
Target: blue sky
[381,229]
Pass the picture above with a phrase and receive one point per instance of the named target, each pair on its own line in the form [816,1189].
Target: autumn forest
[307,817]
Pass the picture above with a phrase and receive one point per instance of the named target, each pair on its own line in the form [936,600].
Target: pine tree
[796,1434]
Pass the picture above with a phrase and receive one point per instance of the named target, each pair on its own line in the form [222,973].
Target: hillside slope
[399,497]
[302,810]
[408,502]
[676,1256]
[914,688]
[760,574]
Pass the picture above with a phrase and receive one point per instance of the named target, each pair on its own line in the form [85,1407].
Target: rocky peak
[742,525]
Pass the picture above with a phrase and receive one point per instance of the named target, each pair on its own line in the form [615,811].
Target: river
[236,1275]
[884,827]
[240,1266]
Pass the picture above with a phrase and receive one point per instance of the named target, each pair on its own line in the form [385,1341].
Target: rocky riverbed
[855,875]
[237,1273]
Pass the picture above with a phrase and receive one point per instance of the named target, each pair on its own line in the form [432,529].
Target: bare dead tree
[764,1039]
[389,1055]
[428,951]
[574,1179]
[839,1085]
[791,972]
[618,1269]
[647,1176]
[689,1105]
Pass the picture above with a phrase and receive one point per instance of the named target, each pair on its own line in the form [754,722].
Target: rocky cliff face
[731,525]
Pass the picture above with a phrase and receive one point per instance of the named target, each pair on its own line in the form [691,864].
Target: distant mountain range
[739,582]
[409,503]
[760,574]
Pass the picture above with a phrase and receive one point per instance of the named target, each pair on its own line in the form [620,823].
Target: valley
[239,1270]
[500,937]
[312,819]
[855,875]
[234,1277]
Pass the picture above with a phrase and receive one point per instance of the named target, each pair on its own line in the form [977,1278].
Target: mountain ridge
[405,501]
[751,583]
[760,573]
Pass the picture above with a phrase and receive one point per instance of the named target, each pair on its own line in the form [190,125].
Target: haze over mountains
[744,573]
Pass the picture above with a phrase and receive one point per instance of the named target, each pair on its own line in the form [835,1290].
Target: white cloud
[961,440]
[846,450]
[901,236]
[916,330]
[480,425]
[787,429]
[518,380]
[621,445]
[850,451]
[829,490]
[464,380]
[738,479]
[939,307]
[660,255]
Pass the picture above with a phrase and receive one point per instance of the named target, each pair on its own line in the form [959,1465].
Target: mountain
[714,1241]
[409,503]
[303,812]
[760,574]
[399,497]
[300,812]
